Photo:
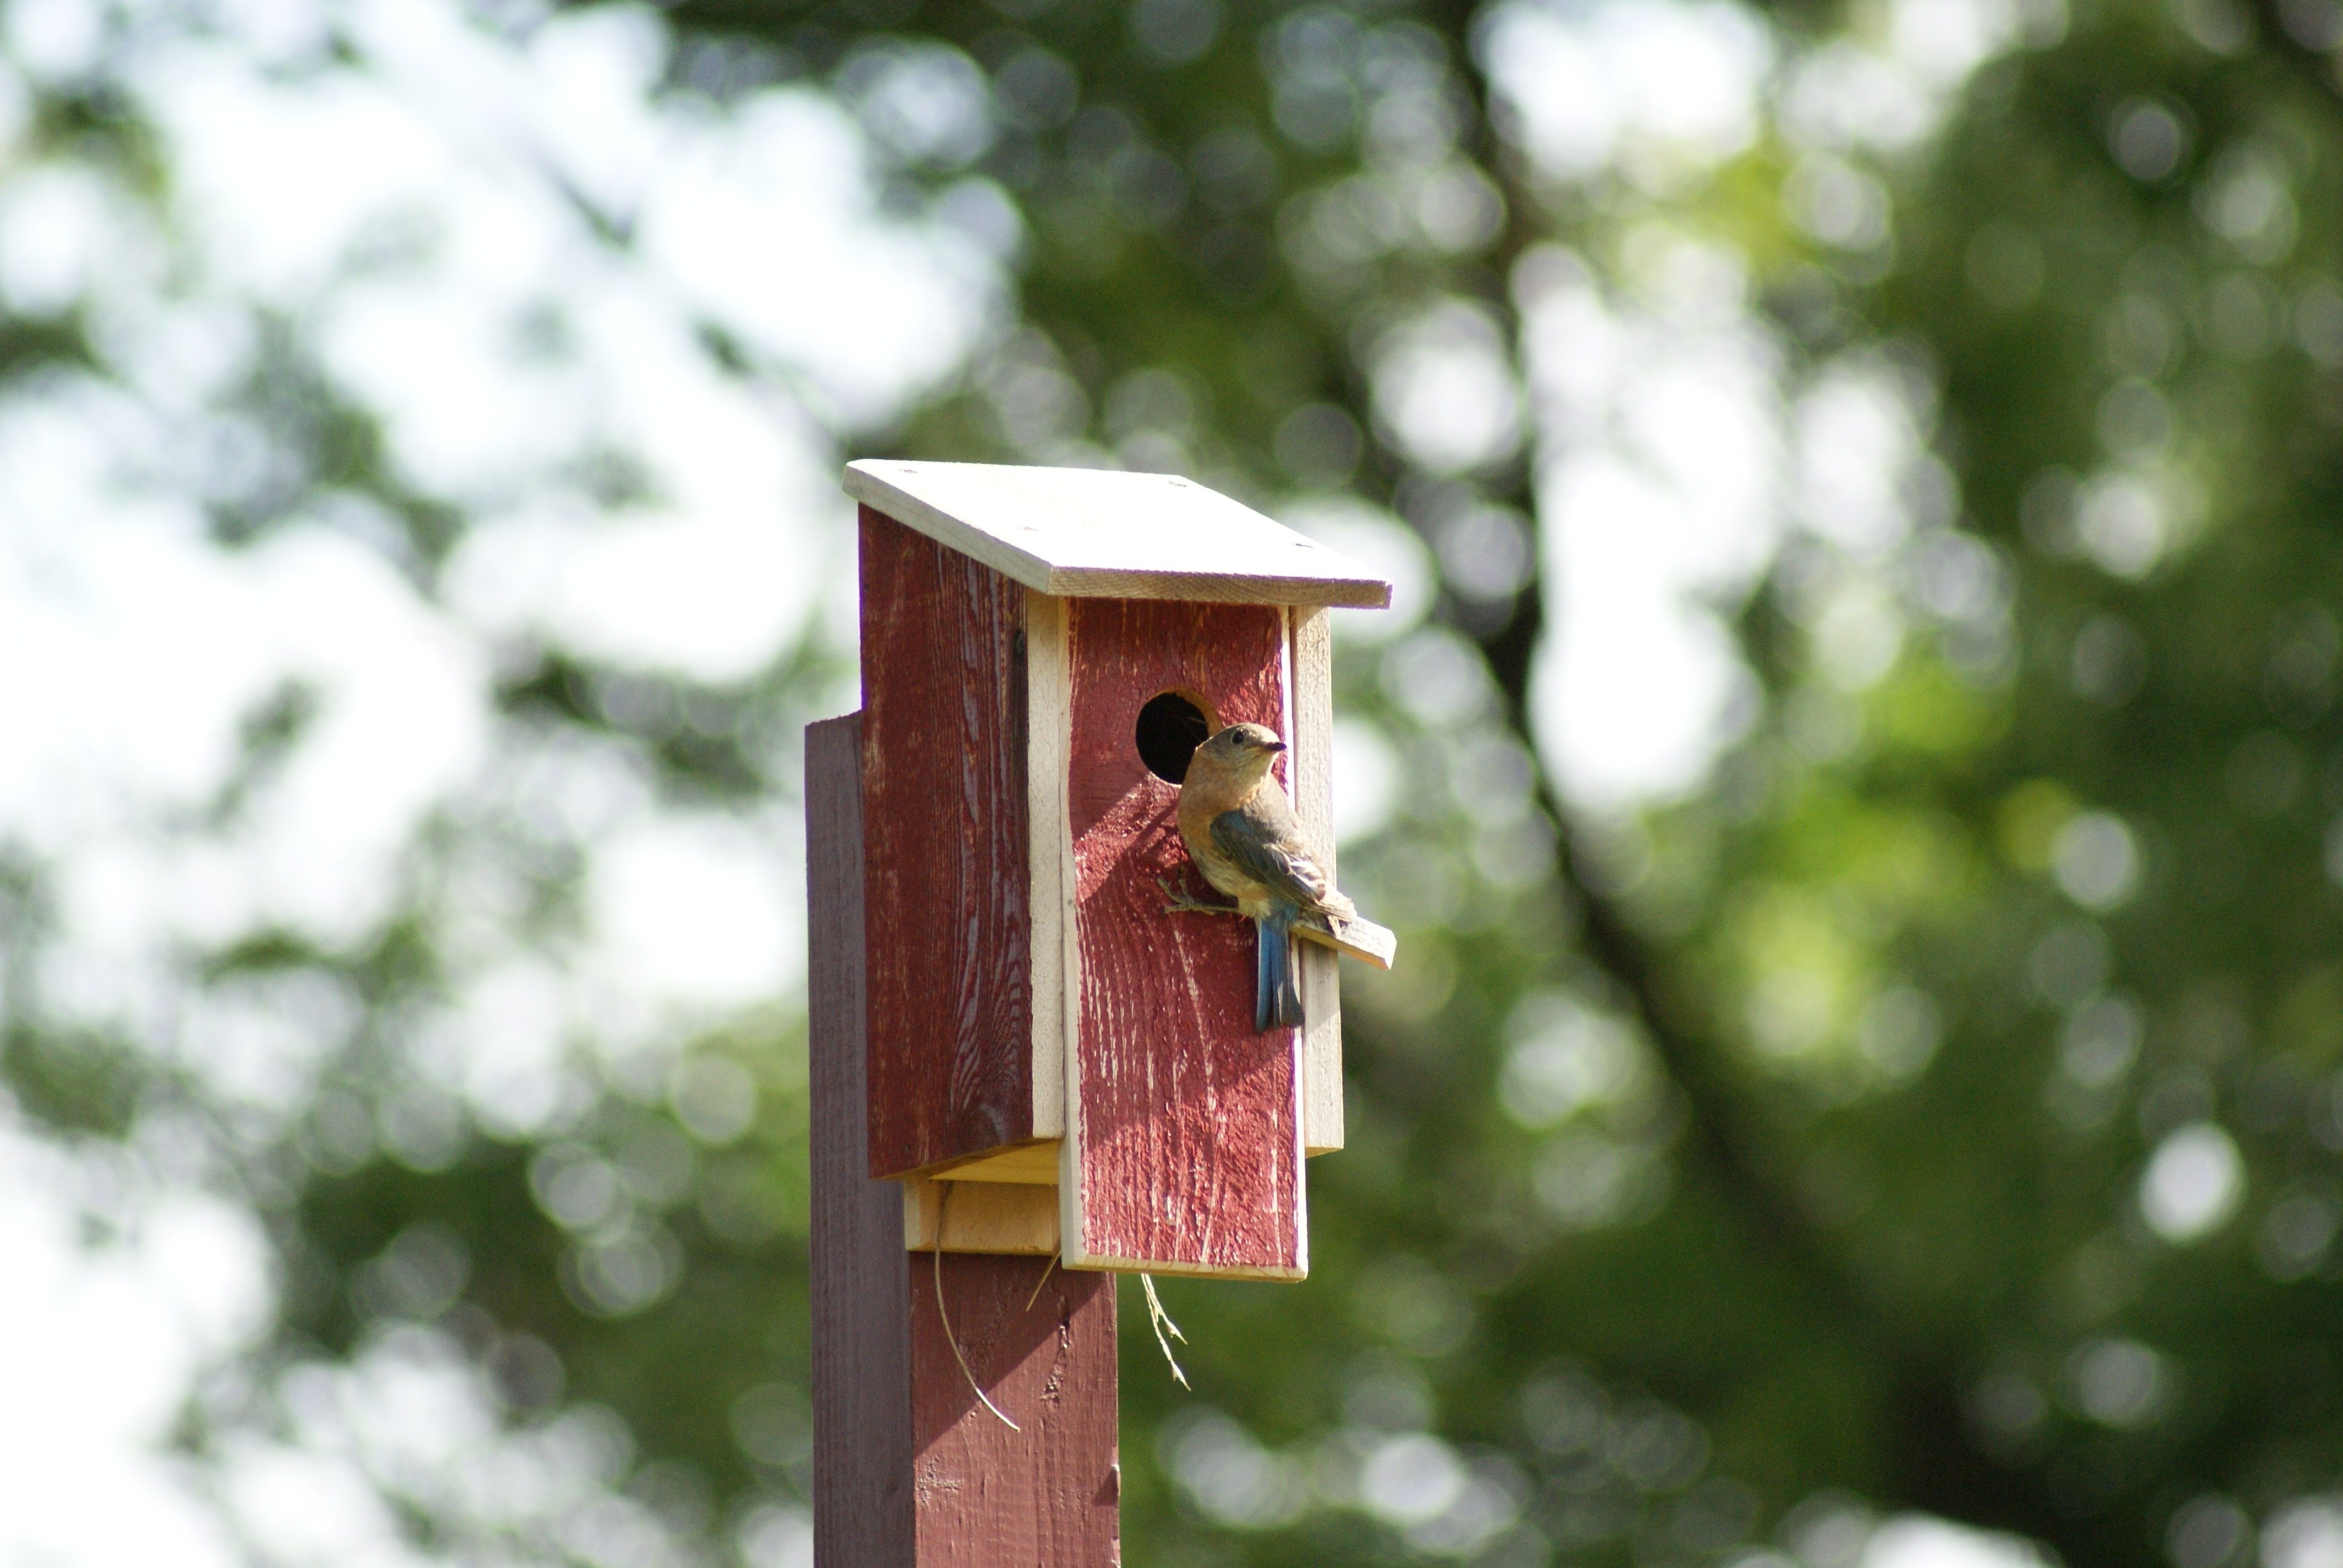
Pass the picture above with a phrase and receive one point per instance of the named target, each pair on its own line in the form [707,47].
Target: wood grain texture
[947,870]
[1184,1147]
[910,1471]
[1048,694]
[1047,1496]
[980,1217]
[862,1492]
[1311,664]
[1103,534]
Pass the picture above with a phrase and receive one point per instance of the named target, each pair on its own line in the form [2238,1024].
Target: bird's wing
[1272,852]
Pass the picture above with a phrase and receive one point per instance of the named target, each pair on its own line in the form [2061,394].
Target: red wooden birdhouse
[1056,1063]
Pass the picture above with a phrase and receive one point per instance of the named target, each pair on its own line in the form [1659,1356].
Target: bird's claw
[1181,901]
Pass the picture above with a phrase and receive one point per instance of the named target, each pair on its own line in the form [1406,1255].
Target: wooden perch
[1360,938]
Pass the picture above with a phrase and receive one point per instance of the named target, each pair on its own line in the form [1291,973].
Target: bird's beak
[1273,746]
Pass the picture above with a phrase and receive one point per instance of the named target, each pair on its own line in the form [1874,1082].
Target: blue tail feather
[1277,985]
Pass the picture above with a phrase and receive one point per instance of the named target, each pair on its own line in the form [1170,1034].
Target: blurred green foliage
[1820,1142]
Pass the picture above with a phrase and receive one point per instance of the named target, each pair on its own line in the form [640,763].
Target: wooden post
[912,1469]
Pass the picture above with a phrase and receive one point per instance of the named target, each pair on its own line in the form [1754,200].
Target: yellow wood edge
[1032,1164]
[980,1217]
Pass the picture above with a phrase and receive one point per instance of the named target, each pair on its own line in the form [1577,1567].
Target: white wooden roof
[1099,533]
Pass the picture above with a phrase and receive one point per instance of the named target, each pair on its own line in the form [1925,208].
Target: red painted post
[911,1469]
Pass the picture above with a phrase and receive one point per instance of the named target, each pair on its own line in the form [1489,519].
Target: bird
[1243,834]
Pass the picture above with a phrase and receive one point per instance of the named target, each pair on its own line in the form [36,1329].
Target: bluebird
[1244,836]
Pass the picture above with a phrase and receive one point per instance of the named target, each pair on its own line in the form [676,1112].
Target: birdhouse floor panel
[980,1217]
[1185,1135]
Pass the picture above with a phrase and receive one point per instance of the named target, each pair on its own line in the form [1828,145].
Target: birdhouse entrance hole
[1170,727]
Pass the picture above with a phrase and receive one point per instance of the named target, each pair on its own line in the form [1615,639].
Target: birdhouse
[1056,1063]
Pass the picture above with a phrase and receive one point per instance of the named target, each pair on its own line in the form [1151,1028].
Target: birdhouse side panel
[1311,686]
[1184,1125]
[948,917]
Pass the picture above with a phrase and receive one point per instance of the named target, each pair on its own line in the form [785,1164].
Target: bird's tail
[1277,984]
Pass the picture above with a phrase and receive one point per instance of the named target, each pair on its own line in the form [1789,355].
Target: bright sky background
[419,214]
[423,214]
[1673,454]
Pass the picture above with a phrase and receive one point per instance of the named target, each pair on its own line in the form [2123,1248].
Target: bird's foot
[1181,901]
